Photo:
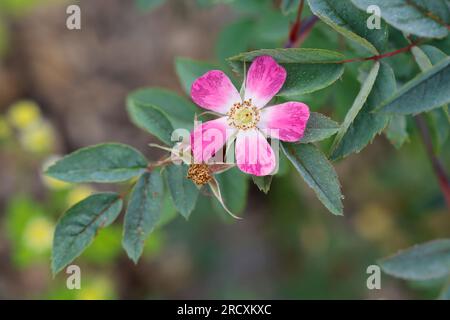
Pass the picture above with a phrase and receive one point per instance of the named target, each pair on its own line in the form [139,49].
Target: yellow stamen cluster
[200,174]
[243,115]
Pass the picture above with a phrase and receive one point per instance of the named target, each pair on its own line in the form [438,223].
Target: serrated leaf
[79,225]
[179,111]
[263,182]
[367,124]
[358,104]
[317,172]
[143,213]
[188,70]
[396,131]
[183,191]
[426,57]
[308,70]
[422,262]
[423,18]
[151,119]
[319,127]
[347,19]
[108,162]
[425,92]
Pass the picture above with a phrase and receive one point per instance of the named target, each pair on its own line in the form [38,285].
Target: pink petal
[286,121]
[209,137]
[264,79]
[214,91]
[254,155]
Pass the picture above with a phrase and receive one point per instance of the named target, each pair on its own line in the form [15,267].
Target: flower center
[243,115]
[199,173]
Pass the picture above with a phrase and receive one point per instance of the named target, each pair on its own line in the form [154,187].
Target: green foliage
[289,6]
[366,124]
[358,104]
[319,127]
[346,19]
[188,70]
[422,262]
[233,186]
[425,92]
[79,225]
[317,172]
[109,162]
[308,70]
[179,111]
[183,191]
[396,131]
[234,38]
[426,57]
[263,182]
[143,213]
[422,18]
[151,119]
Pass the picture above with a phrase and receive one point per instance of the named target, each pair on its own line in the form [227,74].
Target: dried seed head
[200,174]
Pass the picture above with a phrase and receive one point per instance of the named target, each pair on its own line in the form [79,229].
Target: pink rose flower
[246,119]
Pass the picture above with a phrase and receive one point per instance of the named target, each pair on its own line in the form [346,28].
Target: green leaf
[79,225]
[348,20]
[423,18]
[188,70]
[179,111]
[317,172]
[422,262]
[151,119]
[440,126]
[289,6]
[234,39]
[108,162]
[263,182]
[233,188]
[143,213]
[183,191]
[308,70]
[358,104]
[367,124]
[426,57]
[425,92]
[319,127]
[396,131]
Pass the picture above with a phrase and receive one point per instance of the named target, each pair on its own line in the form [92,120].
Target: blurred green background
[61,90]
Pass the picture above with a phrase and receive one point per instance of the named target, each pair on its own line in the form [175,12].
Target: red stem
[295,28]
[384,55]
[438,167]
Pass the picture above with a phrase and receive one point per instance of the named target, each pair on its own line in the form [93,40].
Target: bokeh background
[61,90]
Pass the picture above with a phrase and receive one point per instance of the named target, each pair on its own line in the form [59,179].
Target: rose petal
[254,155]
[214,91]
[286,121]
[264,79]
[209,137]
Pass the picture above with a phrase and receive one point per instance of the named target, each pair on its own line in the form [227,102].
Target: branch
[438,167]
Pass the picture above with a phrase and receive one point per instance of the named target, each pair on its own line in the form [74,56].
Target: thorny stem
[438,167]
